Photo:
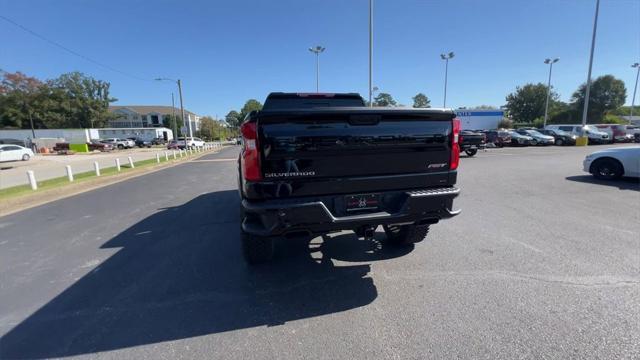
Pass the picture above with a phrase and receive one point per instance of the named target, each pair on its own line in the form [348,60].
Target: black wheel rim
[605,171]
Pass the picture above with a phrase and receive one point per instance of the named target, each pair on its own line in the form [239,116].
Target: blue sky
[227,52]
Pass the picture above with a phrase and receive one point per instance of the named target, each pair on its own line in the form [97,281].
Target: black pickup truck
[471,142]
[318,163]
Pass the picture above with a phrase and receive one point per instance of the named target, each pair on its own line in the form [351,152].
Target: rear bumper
[326,214]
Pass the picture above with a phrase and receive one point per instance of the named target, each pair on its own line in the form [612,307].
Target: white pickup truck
[190,143]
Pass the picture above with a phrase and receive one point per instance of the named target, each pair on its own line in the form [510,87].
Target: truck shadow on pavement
[624,183]
[179,273]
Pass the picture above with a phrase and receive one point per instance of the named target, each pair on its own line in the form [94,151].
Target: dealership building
[479,119]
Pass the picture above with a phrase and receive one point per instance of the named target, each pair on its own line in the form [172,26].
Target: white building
[143,116]
[479,119]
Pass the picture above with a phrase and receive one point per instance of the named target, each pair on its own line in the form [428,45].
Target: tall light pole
[317,50]
[633,99]
[593,44]
[546,106]
[370,52]
[181,104]
[446,58]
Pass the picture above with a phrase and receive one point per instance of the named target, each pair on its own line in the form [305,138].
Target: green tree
[88,99]
[211,129]
[421,101]
[71,100]
[527,102]
[384,99]
[20,100]
[505,123]
[483,107]
[607,93]
[168,122]
[233,119]
[249,106]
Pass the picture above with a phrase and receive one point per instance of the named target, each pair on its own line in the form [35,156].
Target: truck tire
[471,152]
[406,234]
[120,146]
[256,249]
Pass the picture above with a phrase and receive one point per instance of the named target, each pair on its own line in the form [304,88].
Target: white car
[613,163]
[15,153]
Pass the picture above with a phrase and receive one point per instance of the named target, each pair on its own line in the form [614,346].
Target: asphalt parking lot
[543,262]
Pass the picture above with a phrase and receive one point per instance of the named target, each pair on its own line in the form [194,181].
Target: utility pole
[370,52]
[181,103]
[546,106]
[317,50]
[635,88]
[182,111]
[446,58]
[173,116]
[593,44]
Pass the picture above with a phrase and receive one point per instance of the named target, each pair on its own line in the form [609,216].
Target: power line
[71,51]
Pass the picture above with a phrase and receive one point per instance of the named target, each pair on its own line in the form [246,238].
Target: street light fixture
[370,52]
[181,106]
[446,58]
[317,50]
[635,88]
[546,106]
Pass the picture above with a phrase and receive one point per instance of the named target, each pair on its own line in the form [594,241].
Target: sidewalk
[51,166]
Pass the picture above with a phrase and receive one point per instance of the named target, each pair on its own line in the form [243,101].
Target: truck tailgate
[316,152]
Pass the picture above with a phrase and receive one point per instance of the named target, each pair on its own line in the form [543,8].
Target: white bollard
[32,180]
[131,163]
[158,158]
[166,156]
[174,155]
[69,173]
[96,167]
[180,150]
[118,164]
[190,151]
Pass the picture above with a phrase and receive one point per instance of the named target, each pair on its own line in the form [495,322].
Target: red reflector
[250,153]
[455,145]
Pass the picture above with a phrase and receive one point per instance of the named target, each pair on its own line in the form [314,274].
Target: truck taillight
[455,145]
[250,154]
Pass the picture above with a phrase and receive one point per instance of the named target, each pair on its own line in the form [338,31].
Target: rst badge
[436,166]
